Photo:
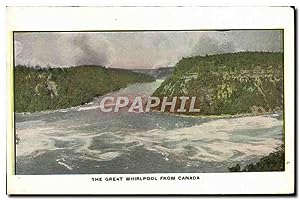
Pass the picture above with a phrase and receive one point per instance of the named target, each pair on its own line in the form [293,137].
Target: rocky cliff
[232,83]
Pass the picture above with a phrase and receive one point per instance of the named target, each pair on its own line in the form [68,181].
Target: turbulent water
[83,140]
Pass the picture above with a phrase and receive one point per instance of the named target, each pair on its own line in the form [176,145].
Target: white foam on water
[219,140]
[32,141]
[213,141]
[88,108]
[65,165]
[108,156]
[39,137]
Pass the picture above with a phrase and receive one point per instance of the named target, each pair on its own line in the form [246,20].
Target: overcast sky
[136,49]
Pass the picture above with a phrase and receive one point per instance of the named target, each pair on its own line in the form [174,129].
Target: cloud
[208,45]
[135,49]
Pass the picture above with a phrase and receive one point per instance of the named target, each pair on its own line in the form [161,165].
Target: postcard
[150,100]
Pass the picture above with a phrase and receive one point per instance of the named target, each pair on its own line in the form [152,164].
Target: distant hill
[159,73]
[232,83]
[38,89]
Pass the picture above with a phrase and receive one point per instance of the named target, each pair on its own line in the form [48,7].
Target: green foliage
[273,162]
[38,89]
[231,83]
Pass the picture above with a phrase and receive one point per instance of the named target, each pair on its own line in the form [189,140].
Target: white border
[160,18]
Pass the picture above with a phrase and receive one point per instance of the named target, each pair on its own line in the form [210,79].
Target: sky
[135,50]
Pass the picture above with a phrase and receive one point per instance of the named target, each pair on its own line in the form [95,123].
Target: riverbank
[40,89]
[279,113]
[230,83]
[272,162]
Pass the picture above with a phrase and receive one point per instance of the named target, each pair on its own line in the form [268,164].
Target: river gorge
[84,140]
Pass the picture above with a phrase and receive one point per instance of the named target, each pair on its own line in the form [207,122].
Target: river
[83,140]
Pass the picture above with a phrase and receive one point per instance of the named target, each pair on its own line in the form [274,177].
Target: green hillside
[231,83]
[38,89]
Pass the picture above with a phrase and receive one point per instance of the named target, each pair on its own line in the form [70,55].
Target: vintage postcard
[131,103]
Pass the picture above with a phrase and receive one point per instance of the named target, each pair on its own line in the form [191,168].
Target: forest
[38,89]
[231,83]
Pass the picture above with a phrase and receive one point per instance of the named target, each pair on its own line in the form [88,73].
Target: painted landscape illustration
[131,102]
